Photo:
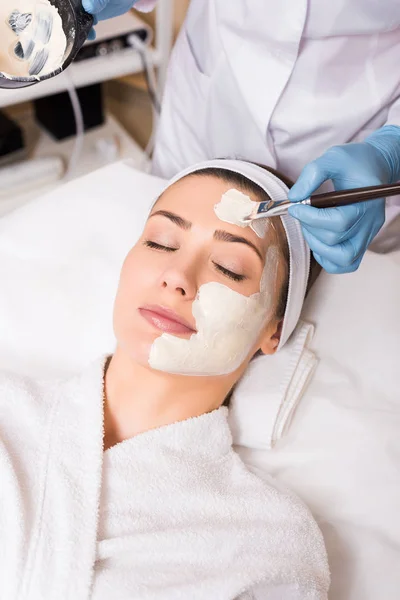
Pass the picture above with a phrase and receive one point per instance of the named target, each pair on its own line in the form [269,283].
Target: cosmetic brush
[271,208]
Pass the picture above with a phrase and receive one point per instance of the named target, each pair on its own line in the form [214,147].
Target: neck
[138,398]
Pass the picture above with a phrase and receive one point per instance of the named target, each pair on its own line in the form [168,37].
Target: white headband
[299,253]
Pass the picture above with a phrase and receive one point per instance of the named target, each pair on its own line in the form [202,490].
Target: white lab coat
[278,82]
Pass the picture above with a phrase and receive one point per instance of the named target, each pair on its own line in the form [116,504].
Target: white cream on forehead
[234,207]
[12,66]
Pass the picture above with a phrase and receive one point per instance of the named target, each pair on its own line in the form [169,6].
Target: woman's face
[185,246]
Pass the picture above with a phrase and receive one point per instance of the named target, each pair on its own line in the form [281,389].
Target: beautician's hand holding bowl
[108,9]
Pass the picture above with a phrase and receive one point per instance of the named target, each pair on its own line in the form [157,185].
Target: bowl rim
[76,45]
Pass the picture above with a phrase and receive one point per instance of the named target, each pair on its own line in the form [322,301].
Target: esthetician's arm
[107,9]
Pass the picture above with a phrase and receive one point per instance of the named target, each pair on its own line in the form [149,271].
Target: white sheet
[70,240]
[341,453]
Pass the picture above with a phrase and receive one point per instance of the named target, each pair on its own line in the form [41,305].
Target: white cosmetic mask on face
[227,323]
[234,207]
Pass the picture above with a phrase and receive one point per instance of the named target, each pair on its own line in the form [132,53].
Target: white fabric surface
[264,401]
[170,514]
[341,453]
[64,252]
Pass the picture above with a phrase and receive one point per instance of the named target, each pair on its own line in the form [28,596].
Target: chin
[136,349]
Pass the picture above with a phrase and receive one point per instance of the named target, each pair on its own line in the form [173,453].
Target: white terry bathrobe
[172,513]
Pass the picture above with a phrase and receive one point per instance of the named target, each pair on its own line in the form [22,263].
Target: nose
[181,280]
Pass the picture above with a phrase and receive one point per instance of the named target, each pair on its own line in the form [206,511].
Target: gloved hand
[339,237]
[107,9]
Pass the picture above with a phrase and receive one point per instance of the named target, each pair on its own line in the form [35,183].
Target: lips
[166,320]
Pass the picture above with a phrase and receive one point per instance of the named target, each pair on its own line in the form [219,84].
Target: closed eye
[156,246]
[220,268]
[230,274]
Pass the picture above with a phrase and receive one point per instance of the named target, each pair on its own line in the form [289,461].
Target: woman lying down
[121,483]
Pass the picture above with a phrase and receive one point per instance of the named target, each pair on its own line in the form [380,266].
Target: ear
[271,338]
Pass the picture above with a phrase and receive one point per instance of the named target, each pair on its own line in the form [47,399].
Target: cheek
[130,288]
[137,286]
[138,274]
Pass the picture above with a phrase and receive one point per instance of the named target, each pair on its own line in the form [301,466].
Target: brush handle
[343,197]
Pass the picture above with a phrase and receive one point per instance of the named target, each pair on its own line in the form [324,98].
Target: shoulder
[15,387]
[46,391]
[286,528]
[259,484]
[272,495]
[287,591]
[31,409]
[25,408]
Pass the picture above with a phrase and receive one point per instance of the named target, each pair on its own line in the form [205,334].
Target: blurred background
[102,109]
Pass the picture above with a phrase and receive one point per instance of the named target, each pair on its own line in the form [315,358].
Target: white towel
[266,397]
[170,514]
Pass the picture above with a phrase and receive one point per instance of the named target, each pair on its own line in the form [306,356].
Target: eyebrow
[219,235]
[182,223]
[225,236]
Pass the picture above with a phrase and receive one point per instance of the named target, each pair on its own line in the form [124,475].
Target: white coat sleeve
[145,5]
[393,117]
[388,239]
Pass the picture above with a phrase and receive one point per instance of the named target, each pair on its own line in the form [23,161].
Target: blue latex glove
[92,33]
[107,9]
[339,237]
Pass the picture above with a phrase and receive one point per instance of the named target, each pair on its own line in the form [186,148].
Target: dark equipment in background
[11,140]
[55,113]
